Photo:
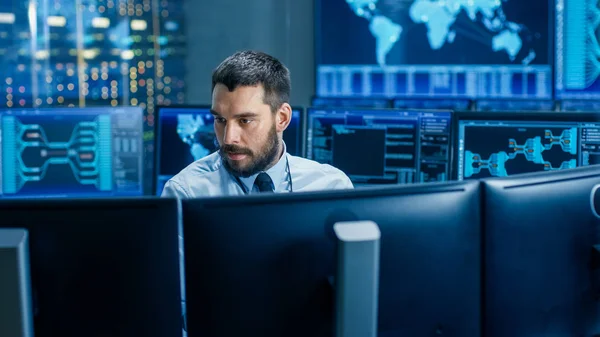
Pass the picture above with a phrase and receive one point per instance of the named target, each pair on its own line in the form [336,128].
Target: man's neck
[277,159]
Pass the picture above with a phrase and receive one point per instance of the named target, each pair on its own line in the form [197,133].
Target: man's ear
[283,117]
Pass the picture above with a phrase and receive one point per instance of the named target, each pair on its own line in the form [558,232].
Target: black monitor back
[101,267]
[259,265]
[539,233]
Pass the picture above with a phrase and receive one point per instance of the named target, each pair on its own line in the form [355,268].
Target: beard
[258,161]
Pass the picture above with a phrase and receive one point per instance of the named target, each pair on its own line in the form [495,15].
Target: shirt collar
[277,172]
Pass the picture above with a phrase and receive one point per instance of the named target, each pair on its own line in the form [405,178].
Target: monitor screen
[503,144]
[420,48]
[541,276]
[580,105]
[577,70]
[109,266]
[71,152]
[270,273]
[517,105]
[186,134]
[425,103]
[349,102]
[381,146]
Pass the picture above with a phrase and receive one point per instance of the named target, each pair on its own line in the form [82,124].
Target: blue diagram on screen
[500,149]
[416,48]
[48,153]
[577,49]
[28,153]
[532,150]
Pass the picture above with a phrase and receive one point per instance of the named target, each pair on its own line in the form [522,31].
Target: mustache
[234,149]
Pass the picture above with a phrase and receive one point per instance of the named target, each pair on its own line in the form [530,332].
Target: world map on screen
[439,17]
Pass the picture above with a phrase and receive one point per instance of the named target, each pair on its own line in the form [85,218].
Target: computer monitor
[576,74]
[71,152]
[517,105]
[381,146]
[16,314]
[463,49]
[580,105]
[502,144]
[186,134]
[262,263]
[433,103]
[350,102]
[101,267]
[538,238]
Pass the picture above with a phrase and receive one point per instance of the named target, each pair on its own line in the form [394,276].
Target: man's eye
[220,120]
[245,121]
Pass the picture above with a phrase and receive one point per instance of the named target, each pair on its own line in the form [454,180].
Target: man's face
[246,129]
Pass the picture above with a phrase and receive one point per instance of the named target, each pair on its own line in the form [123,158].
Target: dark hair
[250,68]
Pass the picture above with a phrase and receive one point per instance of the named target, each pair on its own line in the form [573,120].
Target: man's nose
[232,134]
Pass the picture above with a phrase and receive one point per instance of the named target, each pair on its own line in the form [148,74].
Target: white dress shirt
[207,177]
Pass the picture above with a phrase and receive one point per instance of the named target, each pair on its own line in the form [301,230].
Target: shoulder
[312,173]
[196,179]
[311,165]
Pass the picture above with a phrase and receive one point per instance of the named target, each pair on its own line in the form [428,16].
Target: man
[250,95]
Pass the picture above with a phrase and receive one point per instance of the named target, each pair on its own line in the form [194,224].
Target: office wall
[218,28]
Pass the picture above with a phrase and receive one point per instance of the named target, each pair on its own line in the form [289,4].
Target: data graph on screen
[381,146]
[499,148]
[417,48]
[71,152]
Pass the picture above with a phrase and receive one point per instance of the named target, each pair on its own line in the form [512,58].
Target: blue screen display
[329,102]
[186,134]
[515,105]
[418,103]
[577,67]
[417,48]
[71,152]
[580,105]
[499,148]
[381,146]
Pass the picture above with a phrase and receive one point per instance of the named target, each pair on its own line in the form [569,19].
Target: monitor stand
[16,315]
[356,279]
